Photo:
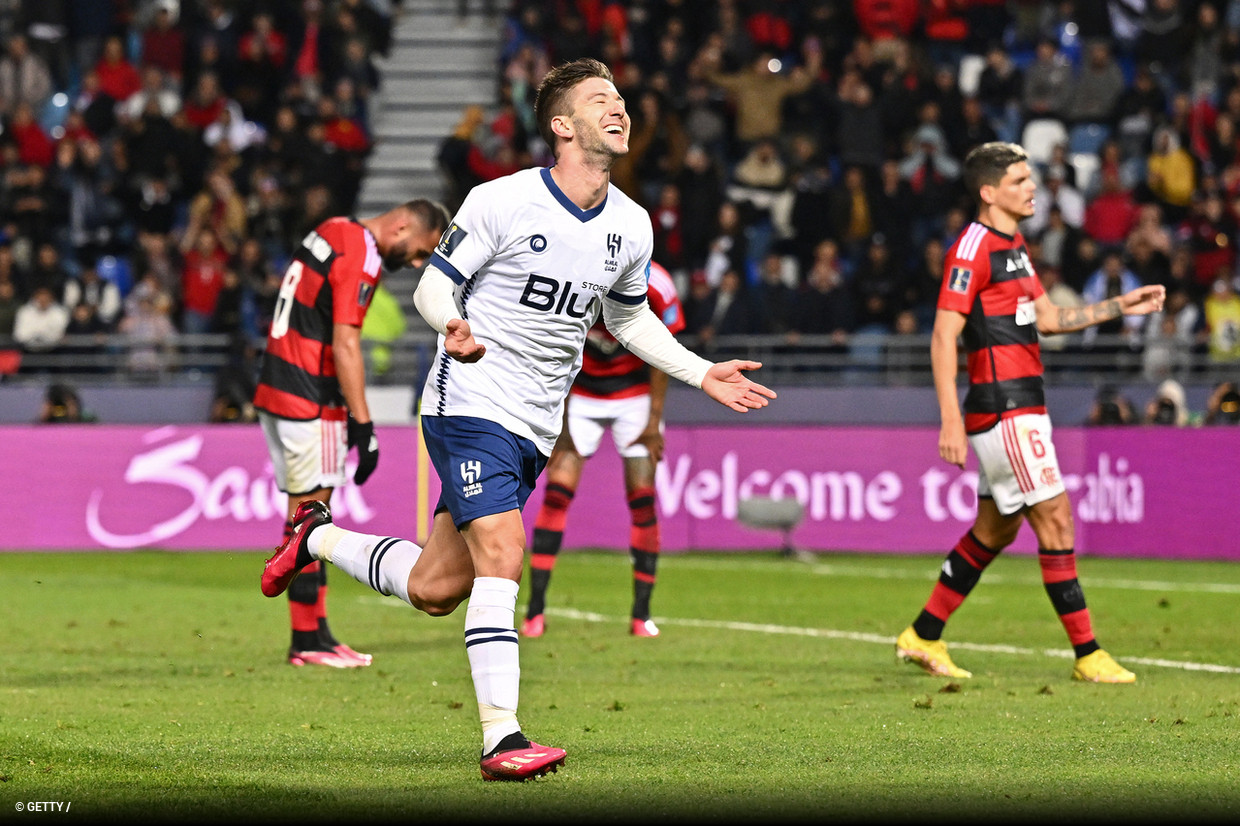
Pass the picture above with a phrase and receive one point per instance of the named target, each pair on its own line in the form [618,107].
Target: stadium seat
[1040,137]
[53,114]
[117,270]
[1086,165]
[970,73]
[1088,137]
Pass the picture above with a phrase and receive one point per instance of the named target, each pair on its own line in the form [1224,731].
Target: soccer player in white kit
[512,289]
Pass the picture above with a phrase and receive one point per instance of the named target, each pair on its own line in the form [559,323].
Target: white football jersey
[532,270]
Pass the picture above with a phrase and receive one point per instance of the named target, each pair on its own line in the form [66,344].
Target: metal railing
[120,360]
[861,359]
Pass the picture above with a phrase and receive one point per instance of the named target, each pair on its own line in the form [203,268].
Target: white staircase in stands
[438,64]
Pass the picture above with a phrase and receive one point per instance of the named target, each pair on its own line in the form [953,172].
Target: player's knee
[439,609]
[997,537]
[435,603]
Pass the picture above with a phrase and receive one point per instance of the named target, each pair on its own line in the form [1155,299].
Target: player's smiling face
[599,118]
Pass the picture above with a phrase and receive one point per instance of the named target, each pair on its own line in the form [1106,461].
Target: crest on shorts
[958,279]
[471,475]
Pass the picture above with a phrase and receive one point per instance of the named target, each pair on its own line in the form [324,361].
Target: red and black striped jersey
[608,370]
[987,276]
[331,279]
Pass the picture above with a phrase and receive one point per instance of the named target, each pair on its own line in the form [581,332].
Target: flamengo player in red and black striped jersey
[311,395]
[618,392]
[990,298]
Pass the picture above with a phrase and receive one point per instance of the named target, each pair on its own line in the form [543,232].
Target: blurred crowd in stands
[161,159]
[800,159]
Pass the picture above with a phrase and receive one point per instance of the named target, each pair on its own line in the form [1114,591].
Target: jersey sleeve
[963,279]
[664,300]
[472,238]
[1035,287]
[354,276]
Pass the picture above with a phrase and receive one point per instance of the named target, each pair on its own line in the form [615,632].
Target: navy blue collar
[577,212]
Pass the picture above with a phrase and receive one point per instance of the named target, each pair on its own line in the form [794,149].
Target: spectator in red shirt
[310,45]
[118,78]
[206,102]
[339,131]
[75,129]
[881,21]
[1210,232]
[163,44]
[34,146]
[202,278]
[264,42]
[1112,214]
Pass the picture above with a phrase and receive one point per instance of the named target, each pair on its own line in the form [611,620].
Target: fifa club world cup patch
[364,292]
[958,280]
[451,239]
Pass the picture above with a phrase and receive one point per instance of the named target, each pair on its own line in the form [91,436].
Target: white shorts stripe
[1013,451]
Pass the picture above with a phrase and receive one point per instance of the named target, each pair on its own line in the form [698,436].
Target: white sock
[491,645]
[382,562]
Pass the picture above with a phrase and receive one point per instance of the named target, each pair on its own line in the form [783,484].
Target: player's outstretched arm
[726,383]
[641,331]
[1055,319]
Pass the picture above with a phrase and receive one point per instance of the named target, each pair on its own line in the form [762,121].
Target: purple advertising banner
[177,488]
[1137,491]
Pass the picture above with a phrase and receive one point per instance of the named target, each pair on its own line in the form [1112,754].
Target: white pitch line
[829,569]
[857,636]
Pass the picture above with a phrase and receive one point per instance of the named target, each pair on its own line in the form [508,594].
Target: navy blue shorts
[483,468]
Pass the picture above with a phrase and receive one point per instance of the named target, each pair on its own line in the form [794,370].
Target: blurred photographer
[1224,405]
[1169,405]
[61,405]
[1110,408]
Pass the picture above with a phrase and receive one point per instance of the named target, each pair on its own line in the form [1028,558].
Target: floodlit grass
[153,686]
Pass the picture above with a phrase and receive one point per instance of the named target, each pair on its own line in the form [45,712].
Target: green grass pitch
[152,686]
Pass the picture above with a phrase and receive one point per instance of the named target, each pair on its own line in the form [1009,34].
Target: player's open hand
[459,342]
[727,384]
[1144,300]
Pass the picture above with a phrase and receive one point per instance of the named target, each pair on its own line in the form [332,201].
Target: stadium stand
[148,139]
